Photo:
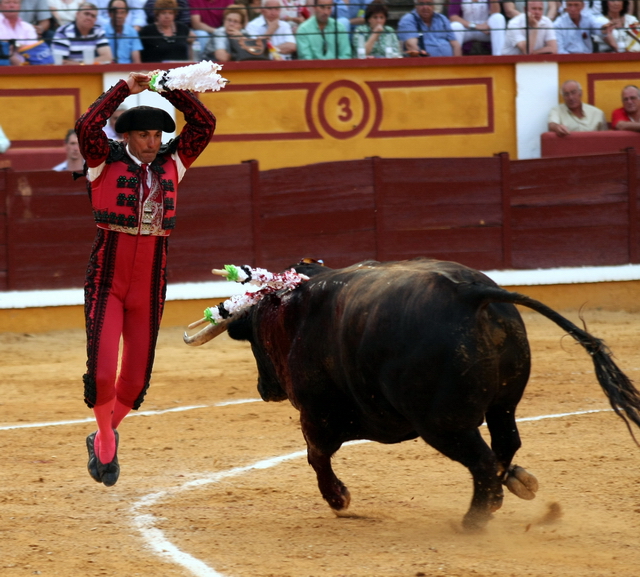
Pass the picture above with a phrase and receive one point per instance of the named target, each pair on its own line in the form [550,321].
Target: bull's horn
[205,335]
[220,272]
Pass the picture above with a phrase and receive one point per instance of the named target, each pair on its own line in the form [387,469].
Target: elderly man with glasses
[574,115]
[72,39]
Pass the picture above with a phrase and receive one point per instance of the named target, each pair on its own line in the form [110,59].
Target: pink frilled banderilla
[267,283]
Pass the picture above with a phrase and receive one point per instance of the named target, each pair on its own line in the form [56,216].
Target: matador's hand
[138,82]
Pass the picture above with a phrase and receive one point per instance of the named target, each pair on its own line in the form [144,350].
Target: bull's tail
[623,396]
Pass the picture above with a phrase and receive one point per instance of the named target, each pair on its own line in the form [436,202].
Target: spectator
[12,27]
[349,13]
[513,9]
[574,28]
[123,38]
[378,39]
[166,39]
[294,12]
[479,20]
[272,29]
[207,15]
[37,13]
[218,47]
[322,37]
[64,11]
[5,143]
[424,32]
[183,16]
[574,115]
[110,127]
[137,17]
[628,117]
[540,30]
[617,11]
[74,161]
[70,40]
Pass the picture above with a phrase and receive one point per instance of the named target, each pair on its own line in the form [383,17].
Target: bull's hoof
[475,521]
[521,483]
[340,502]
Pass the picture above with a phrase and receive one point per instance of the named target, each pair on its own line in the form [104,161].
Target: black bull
[392,351]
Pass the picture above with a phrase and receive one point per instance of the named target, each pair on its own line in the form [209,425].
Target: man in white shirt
[276,31]
[574,115]
[540,30]
[74,160]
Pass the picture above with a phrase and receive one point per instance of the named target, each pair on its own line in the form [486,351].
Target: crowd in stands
[132,31]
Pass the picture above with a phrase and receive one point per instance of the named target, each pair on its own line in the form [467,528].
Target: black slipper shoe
[92,465]
[109,472]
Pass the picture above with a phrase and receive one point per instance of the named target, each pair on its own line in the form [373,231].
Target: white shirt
[516,33]
[258,27]
[475,11]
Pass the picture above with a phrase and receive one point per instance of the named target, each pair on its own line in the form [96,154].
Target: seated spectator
[513,9]
[617,13]
[64,11]
[207,15]
[74,161]
[13,27]
[277,32]
[628,117]
[295,12]
[70,40]
[322,37]
[227,40]
[5,143]
[137,17]
[574,115]
[479,20]
[110,127]
[378,39]
[37,13]
[123,38]
[184,12]
[424,32]
[541,33]
[575,27]
[166,40]
[349,13]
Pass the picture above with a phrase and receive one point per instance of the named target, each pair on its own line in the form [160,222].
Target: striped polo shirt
[70,43]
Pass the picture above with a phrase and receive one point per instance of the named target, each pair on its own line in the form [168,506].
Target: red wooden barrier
[484,212]
[581,143]
[570,211]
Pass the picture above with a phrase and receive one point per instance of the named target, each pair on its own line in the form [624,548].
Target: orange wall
[298,113]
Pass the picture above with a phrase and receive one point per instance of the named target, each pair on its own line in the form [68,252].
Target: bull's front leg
[321,445]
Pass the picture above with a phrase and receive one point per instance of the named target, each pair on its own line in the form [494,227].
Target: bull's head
[242,329]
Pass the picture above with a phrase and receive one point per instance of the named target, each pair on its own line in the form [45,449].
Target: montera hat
[145,118]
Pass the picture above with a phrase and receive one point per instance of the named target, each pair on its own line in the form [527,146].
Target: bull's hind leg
[505,441]
[469,448]
[322,443]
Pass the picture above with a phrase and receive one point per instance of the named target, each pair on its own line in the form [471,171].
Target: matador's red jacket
[115,177]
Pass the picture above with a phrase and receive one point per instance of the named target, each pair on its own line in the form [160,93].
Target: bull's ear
[205,335]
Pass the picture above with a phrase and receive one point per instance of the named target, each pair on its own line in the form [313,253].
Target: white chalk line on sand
[145,522]
[135,414]
[157,541]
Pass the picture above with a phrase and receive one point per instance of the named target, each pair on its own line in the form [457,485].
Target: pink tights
[108,416]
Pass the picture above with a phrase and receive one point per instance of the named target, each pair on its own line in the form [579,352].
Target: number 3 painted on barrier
[347,113]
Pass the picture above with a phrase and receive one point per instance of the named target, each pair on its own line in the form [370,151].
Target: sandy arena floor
[184,505]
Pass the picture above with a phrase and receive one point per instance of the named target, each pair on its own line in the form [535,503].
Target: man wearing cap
[133,187]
